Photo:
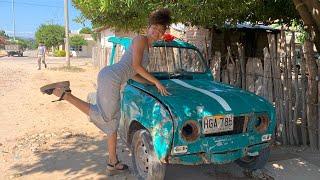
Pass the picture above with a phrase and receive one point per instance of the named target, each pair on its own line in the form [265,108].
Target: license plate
[215,124]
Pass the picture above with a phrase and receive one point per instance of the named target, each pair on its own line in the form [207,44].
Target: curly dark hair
[161,16]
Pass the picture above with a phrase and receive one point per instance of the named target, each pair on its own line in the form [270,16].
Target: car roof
[126,42]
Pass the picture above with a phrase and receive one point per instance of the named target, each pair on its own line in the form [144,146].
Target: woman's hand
[58,92]
[161,89]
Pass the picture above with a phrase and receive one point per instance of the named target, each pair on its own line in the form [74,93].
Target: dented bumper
[216,158]
[220,150]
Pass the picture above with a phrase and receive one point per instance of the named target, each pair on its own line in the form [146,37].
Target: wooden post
[304,130]
[267,75]
[258,76]
[242,65]
[230,67]
[238,73]
[284,61]
[318,103]
[291,122]
[277,87]
[206,51]
[216,65]
[249,75]
[312,99]
[293,117]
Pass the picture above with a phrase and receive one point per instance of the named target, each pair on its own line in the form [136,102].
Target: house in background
[83,51]
[252,37]
[2,42]
[102,51]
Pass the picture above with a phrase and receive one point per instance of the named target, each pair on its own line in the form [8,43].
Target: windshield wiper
[180,76]
[174,75]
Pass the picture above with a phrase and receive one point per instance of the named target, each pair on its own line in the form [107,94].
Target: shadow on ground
[77,156]
[83,156]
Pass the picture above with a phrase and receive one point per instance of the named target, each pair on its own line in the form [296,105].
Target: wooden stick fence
[294,91]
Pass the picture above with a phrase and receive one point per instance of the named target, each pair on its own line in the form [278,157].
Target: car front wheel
[255,162]
[145,163]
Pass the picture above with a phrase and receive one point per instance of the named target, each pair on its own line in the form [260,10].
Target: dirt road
[44,140]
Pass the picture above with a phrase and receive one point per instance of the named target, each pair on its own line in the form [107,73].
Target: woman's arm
[138,45]
[140,79]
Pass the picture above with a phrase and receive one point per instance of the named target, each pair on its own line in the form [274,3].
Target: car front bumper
[217,158]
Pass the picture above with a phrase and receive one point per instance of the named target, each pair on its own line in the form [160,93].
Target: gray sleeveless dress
[105,114]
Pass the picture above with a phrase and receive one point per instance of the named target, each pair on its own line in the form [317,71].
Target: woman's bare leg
[85,108]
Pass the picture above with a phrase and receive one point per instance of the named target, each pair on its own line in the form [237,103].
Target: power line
[31,4]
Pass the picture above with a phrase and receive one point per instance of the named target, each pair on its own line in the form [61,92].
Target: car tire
[255,162]
[145,162]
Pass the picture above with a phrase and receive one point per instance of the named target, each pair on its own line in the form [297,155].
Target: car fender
[142,110]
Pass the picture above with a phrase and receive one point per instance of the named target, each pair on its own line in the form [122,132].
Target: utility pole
[66,24]
[14,22]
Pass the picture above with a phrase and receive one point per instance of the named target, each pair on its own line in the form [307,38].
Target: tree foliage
[25,43]
[85,30]
[120,14]
[77,40]
[50,35]
[3,34]
[133,14]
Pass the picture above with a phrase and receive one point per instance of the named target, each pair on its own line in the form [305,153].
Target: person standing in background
[41,55]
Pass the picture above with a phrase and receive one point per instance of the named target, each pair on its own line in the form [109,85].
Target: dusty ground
[44,140]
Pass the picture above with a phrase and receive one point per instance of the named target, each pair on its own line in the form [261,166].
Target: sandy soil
[40,139]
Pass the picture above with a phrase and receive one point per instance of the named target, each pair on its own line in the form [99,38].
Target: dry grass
[68,69]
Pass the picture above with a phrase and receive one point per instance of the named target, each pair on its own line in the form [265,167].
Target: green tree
[133,14]
[3,34]
[77,41]
[80,20]
[50,35]
[85,30]
[26,43]
[120,14]
[309,12]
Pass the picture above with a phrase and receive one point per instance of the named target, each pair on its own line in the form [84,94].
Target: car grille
[237,127]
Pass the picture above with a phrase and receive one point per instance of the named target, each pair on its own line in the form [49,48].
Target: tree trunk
[309,12]
[312,98]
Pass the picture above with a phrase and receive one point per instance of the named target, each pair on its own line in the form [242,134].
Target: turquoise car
[201,122]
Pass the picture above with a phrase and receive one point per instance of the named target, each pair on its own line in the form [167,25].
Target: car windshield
[175,60]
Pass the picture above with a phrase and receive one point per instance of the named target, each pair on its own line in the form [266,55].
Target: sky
[29,15]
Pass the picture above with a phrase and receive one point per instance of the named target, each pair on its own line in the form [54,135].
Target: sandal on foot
[48,89]
[113,169]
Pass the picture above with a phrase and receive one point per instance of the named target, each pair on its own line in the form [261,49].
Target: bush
[59,53]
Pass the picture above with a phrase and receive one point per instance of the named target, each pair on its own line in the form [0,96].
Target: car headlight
[262,123]
[190,131]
